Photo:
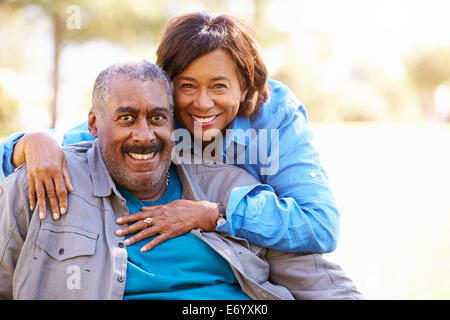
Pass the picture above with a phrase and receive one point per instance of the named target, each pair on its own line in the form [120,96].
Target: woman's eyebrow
[221,78]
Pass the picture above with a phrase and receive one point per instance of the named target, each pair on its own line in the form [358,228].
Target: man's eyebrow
[125,109]
[160,110]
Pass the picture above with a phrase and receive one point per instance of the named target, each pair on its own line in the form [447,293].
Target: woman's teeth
[203,119]
[139,156]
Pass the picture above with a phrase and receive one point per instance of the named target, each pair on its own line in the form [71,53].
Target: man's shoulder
[16,179]
[220,171]
[216,181]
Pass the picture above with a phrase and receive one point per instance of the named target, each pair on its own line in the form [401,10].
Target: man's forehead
[135,92]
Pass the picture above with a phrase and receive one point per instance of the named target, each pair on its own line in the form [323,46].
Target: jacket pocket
[65,242]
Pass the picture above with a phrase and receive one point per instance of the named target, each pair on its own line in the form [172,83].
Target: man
[80,256]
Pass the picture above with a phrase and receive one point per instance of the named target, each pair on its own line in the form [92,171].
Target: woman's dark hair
[193,35]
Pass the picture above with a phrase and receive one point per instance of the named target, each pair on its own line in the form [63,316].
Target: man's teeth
[139,156]
[203,119]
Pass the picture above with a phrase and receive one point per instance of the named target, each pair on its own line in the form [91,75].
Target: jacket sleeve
[311,277]
[14,222]
[6,151]
[295,210]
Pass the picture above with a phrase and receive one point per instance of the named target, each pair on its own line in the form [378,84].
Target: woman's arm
[295,211]
[6,151]
[47,171]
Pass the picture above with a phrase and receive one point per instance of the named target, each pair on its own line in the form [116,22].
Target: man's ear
[92,124]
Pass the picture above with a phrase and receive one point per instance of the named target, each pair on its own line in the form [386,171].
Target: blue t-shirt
[183,268]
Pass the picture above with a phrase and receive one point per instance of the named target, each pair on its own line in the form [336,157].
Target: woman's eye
[187,86]
[220,86]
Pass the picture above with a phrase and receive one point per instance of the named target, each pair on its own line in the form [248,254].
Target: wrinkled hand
[47,173]
[169,221]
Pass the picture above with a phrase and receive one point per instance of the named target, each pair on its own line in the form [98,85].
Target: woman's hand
[169,221]
[47,172]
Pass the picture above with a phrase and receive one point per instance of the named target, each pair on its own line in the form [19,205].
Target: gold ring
[148,221]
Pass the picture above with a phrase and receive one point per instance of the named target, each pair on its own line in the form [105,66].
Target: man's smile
[140,156]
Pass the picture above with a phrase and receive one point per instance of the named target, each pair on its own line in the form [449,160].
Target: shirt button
[120,279]
[121,245]
[313,174]
[61,251]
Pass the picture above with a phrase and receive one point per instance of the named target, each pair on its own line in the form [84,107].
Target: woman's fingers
[40,194]
[61,194]
[145,213]
[51,194]
[143,234]
[66,176]
[158,240]
[31,192]
[140,225]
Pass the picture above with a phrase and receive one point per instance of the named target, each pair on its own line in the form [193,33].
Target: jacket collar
[103,184]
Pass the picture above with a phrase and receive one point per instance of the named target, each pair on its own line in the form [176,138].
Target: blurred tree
[427,69]
[8,113]
[85,20]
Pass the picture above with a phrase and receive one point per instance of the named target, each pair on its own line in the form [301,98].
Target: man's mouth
[143,152]
[140,156]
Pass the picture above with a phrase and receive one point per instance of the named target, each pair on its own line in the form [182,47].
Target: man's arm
[14,221]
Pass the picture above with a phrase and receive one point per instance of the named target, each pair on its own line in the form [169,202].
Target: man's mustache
[150,148]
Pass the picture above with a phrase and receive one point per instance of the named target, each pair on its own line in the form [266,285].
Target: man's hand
[47,172]
[169,221]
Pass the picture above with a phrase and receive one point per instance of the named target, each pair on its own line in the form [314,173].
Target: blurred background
[373,75]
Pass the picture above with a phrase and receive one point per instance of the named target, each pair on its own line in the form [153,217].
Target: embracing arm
[47,171]
[295,211]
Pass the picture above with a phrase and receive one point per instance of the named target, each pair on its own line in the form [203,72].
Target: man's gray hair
[141,70]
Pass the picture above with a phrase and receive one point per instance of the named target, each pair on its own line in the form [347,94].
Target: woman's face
[208,94]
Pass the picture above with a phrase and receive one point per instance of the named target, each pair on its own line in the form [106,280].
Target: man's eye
[158,118]
[126,118]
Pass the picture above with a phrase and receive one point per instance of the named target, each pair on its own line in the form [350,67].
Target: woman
[221,88]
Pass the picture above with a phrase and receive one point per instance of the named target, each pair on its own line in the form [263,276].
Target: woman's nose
[203,101]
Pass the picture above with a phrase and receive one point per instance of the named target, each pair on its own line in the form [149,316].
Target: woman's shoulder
[279,109]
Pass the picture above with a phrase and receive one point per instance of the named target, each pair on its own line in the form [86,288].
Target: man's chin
[143,182]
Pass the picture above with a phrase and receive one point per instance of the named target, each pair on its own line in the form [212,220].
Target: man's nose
[143,132]
[203,101]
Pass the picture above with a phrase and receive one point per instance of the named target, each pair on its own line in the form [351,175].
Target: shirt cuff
[7,149]
[234,218]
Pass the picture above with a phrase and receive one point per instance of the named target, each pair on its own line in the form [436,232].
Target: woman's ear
[92,123]
[243,95]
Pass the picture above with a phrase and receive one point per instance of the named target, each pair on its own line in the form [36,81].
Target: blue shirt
[181,268]
[294,209]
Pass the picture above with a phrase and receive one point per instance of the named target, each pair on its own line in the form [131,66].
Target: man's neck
[151,195]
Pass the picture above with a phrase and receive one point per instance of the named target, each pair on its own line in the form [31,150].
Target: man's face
[134,135]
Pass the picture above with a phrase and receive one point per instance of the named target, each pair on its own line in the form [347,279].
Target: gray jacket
[80,257]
